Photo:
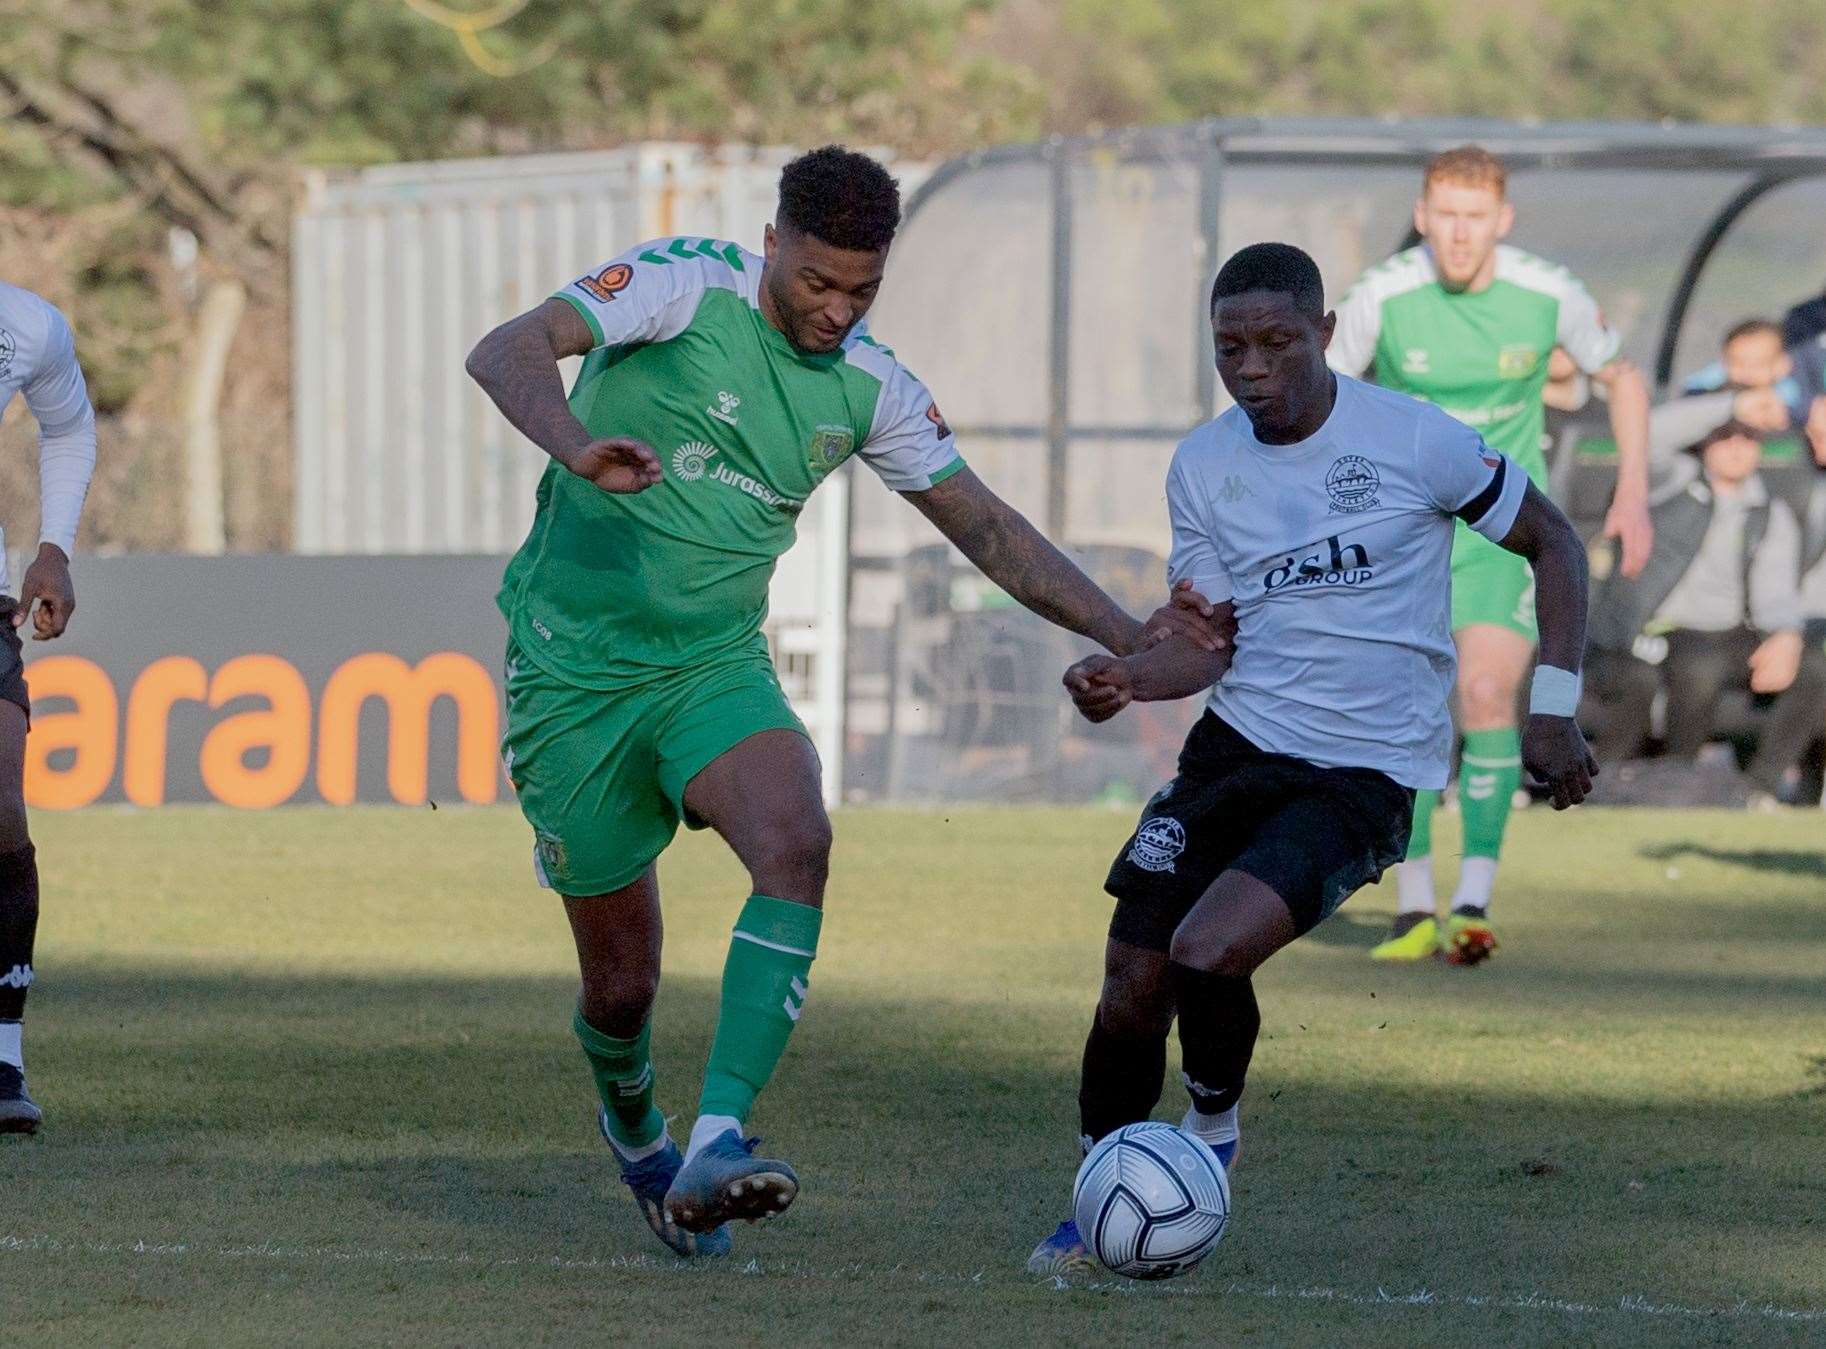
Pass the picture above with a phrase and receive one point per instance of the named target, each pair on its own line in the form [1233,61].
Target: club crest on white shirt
[1352,483]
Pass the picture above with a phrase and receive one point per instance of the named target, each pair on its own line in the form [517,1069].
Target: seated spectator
[1754,357]
[1717,608]
[1805,323]
[1813,534]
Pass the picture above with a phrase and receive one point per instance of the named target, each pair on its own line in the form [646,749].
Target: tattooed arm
[517,367]
[1017,557]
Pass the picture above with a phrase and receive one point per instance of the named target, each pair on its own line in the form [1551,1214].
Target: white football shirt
[1337,554]
[38,358]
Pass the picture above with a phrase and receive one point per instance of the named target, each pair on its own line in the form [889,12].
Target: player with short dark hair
[718,390]
[1319,513]
[1470,324]
[37,359]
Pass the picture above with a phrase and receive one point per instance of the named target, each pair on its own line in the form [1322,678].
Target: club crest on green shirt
[1517,362]
[831,445]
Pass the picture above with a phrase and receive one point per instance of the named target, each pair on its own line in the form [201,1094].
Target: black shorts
[12,659]
[1312,835]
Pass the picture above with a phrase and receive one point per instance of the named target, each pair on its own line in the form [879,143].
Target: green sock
[623,1070]
[1420,841]
[764,987]
[1491,771]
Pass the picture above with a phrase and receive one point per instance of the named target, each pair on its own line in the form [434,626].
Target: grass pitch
[309,1079]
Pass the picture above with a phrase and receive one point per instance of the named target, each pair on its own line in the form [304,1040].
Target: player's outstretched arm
[1628,519]
[1101,686]
[516,365]
[1017,557]
[1553,747]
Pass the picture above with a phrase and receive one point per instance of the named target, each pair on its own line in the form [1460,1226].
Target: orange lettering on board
[282,728]
[409,693]
[161,684]
[91,729]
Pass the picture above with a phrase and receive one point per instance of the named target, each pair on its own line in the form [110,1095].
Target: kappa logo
[1158,843]
[1233,490]
[1416,361]
[20,976]
[691,459]
[1352,483]
[724,411]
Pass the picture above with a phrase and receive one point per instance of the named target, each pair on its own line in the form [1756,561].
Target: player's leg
[1415,935]
[582,764]
[1125,1054]
[18,909]
[1489,588]
[736,732]
[1337,834]
[618,938]
[1123,1071]
[783,837]
[1187,834]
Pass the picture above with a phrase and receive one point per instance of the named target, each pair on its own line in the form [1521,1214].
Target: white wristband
[1555,692]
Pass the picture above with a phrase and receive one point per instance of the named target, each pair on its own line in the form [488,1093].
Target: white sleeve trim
[910,446]
[1194,557]
[1353,345]
[59,399]
[1580,326]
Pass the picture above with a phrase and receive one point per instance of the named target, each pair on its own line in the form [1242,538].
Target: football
[1151,1201]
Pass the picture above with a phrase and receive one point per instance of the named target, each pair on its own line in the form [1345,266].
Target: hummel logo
[635,1086]
[728,403]
[795,1010]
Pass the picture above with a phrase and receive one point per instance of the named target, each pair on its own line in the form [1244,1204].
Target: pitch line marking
[1631,1304]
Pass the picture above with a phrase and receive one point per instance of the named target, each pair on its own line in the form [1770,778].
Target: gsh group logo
[1330,563]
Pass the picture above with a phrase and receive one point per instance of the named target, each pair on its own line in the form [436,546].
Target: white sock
[644,1151]
[1211,1129]
[1414,886]
[1476,879]
[707,1128]
[10,1050]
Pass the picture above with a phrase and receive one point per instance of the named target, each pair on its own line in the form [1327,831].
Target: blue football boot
[649,1179]
[1064,1252]
[727,1181]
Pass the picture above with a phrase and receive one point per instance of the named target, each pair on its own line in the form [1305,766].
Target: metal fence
[1054,297]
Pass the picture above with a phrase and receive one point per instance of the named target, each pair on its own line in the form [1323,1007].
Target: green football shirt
[1482,356]
[610,591]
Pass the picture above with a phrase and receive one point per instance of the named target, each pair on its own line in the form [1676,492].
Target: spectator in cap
[1718,607]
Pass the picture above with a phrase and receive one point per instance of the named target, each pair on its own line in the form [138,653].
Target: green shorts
[1491,585]
[601,775]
